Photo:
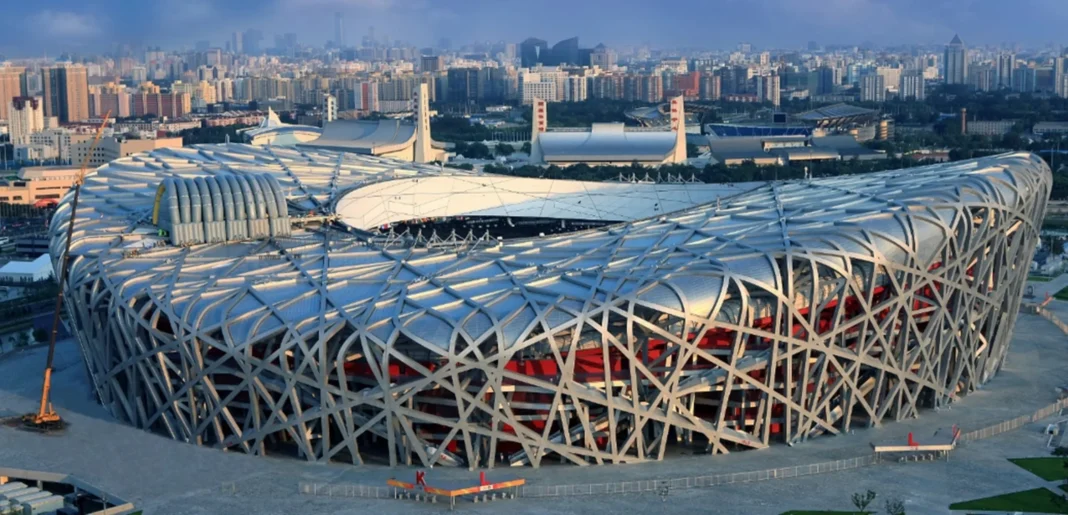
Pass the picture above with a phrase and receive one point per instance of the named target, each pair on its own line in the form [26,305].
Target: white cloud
[65,24]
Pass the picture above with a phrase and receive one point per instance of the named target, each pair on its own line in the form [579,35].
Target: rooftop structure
[776,150]
[389,138]
[837,115]
[786,311]
[271,131]
[609,143]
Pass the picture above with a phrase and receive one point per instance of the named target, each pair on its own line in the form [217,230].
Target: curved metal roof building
[781,312]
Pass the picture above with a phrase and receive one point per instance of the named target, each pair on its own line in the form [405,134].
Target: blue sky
[61,25]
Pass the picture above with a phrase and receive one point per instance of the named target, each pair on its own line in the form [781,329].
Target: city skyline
[56,26]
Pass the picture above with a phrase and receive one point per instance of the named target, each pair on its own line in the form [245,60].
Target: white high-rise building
[329,108]
[548,85]
[912,87]
[872,88]
[26,117]
[1006,67]
[576,89]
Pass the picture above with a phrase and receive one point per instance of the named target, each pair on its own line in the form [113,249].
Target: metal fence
[1016,423]
[661,486]
[346,490]
[1045,313]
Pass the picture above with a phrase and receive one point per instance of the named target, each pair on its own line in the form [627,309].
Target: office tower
[237,43]
[432,63]
[912,86]
[66,92]
[533,51]
[253,37]
[566,52]
[339,30]
[765,59]
[509,51]
[26,117]
[464,85]
[12,84]
[1006,66]
[872,88]
[956,62]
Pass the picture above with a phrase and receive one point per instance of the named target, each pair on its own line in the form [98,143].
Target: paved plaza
[169,477]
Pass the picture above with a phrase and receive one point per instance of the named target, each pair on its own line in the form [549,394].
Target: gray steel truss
[789,311]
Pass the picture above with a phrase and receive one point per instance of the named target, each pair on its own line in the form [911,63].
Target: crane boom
[46,417]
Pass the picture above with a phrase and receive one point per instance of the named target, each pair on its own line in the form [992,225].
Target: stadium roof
[733,130]
[608,141]
[365,136]
[491,195]
[836,115]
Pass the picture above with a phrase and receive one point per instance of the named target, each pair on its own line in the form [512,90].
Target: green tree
[895,507]
[692,151]
[504,149]
[861,501]
[525,148]
[40,335]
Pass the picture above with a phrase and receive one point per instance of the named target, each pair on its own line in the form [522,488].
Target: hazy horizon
[87,26]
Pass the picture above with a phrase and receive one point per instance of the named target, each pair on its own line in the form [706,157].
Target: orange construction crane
[46,418]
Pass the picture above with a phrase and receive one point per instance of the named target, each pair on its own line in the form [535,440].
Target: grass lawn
[1039,278]
[1050,469]
[1039,500]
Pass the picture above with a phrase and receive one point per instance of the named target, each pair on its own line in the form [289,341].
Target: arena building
[388,137]
[266,300]
[608,143]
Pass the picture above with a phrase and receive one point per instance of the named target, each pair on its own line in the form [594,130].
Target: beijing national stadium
[349,308]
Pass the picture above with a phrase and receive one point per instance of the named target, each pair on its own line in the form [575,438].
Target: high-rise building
[1025,79]
[912,86]
[576,89]
[652,88]
[432,63]
[566,52]
[109,97]
[339,30]
[1006,67]
[955,62]
[464,85]
[536,85]
[602,57]
[26,117]
[533,51]
[872,88]
[237,43]
[1059,65]
[710,87]
[329,108]
[66,92]
[982,77]
[768,89]
[12,84]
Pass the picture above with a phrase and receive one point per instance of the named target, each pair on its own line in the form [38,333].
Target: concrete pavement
[166,476]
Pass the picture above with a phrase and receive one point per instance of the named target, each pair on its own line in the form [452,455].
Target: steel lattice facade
[788,311]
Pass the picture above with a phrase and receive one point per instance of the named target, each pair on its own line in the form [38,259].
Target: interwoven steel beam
[792,310]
